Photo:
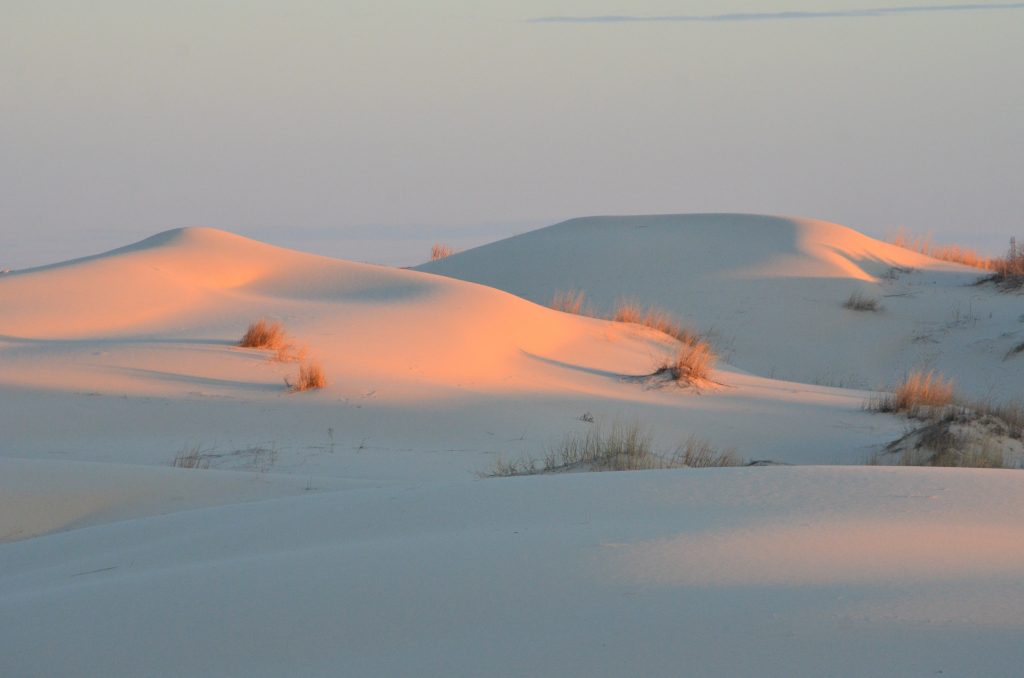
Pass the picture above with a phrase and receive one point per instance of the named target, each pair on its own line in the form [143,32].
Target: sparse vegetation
[256,458]
[960,437]
[311,376]
[655,318]
[860,302]
[919,394]
[952,253]
[697,453]
[440,251]
[694,362]
[264,334]
[658,319]
[623,448]
[1019,348]
[570,302]
[192,457]
[270,335]
[1007,272]
[979,434]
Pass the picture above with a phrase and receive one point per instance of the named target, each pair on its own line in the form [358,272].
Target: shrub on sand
[263,334]
[694,362]
[311,376]
[860,302]
[919,391]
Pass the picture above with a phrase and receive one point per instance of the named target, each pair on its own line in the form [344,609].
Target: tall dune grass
[311,376]
[627,311]
[655,318]
[570,302]
[625,447]
[918,393]
[952,253]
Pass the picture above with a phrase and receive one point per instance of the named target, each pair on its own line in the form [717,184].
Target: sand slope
[770,291]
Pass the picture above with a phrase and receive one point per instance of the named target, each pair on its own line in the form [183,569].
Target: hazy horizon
[368,130]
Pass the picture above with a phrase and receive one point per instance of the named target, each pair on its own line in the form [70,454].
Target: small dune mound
[960,438]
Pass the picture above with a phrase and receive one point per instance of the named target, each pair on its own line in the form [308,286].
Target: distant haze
[368,129]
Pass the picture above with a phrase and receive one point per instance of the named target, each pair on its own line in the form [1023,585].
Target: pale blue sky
[370,129]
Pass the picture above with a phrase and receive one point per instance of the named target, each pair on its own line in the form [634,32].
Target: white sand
[344,531]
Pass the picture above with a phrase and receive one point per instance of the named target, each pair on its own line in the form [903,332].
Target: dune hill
[347,529]
[136,349]
[770,291]
[203,286]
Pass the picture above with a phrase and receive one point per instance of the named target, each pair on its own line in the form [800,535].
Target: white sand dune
[770,290]
[344,531]
[135,349]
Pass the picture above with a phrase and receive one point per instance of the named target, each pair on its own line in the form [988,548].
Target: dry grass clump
[655,318]
[264,334]
[192,458]
[440,251]
[919,393]
[270,335]
[860,302]
[570,302]
[1009,272]
[311,376]
[694,362]
[697,453]
[626,447]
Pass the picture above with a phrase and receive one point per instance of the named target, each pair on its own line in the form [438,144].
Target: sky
[370,129]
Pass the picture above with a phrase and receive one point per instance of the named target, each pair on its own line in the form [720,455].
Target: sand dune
[346,529]
[406,354]
[771,292]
